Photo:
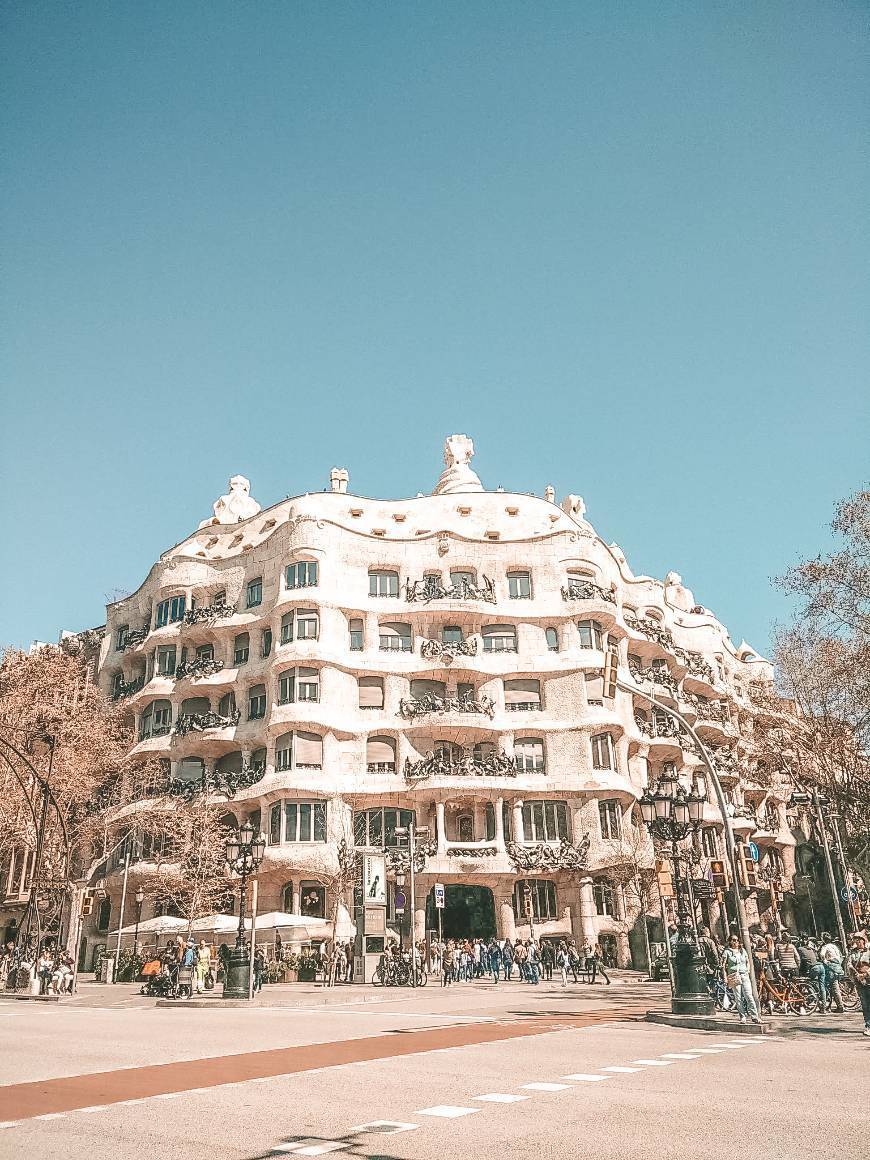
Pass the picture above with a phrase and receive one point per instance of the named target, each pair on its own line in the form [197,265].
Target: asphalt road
[510,1073]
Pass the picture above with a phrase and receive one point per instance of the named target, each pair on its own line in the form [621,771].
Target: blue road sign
[849,894]
[753,850]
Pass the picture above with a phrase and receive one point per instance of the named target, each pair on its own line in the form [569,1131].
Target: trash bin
[107,969]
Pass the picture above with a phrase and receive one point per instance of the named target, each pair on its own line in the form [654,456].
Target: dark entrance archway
[469,912]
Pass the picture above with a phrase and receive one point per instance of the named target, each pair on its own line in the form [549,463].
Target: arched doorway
[469,912]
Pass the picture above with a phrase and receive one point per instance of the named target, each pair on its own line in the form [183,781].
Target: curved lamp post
[244,853]
[671,814]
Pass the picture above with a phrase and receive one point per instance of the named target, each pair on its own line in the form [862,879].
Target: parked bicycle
[779,996]
[395,971]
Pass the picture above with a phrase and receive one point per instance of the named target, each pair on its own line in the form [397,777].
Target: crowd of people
[51,972]
[467,960]
[779,958]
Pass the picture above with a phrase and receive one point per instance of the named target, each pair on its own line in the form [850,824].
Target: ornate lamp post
[671,814]
[244,853]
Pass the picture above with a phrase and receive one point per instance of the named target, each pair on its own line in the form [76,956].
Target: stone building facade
[334,665]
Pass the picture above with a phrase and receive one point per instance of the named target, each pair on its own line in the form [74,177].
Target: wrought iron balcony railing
[586,590]
[198,667]
[707,710]
[651,629]
[414,707]
[126,689]
[199,722]
[660,727]
[448,651]
[726,763]
[440,764]
[136,636]
[654,676]
[430,588]
[695,663]
[209,613]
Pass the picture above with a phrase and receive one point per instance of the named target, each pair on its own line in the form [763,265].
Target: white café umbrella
[164,924]
[306,928]
[216,924]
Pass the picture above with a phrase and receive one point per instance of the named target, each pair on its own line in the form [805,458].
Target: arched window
[483,750]
[312,900]
[229,763]
[105,914]
[499,638]
[552,635]
[256,702]
[529,754]
[371,692]
[465,828]
[452,634]
[156,720]
[395,638]
[302,574]
[448,752]
[226,705]
[543,899]
[190,769]
[591,635]
[603,751]
[284,752]
[309,750]
[192,705]
[523,695]
[381,755]
[357,637]
[490,822]
[425,688]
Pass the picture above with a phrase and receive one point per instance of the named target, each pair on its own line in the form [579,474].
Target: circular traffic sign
[399,900]
[849,894]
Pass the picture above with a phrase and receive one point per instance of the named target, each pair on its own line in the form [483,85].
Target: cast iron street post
[244,853]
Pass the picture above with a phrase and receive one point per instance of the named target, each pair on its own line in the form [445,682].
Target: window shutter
[594,687]
[522,692]
[309,749]
[371,693]
[380,749]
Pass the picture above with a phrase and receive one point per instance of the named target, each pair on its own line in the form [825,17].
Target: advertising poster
[374,880]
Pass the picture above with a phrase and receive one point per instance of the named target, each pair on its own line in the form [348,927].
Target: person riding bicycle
[832,957]
[787,957]
[810,967]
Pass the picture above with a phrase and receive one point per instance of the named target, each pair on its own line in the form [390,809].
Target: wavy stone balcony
[128,689]
[654,676]
[430,588]
[586,590]
[413,708]
[694,663]
[440,764]
[227,782]
[209,614]
[136,636]
[651,629]
[198,668]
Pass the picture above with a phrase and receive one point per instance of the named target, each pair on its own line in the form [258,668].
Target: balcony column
[577,822]
[508,924]
[371,635]
[295,902]
[479,816]
[499,825]
[519,827]
[584,925]
[440,830]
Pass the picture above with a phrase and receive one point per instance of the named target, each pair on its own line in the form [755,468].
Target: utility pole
[832,881]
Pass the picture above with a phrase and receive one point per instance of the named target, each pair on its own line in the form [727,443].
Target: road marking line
[170,1095]
[707,1050]
[618,1067]
[448,1111]
[731,1046]
[51,1116]
[500,1098]
[94,1108]
[587,1077]
[320,1149]
[546,1087]
[677,1055]
[15,1123]
[653,1062]
[388,1127]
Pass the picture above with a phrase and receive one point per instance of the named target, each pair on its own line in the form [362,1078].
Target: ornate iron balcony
[137,635]
[199,722]
[472,851]
[430,588]
[439,764]
[655,676]
[586,590]
[549,856]
[438,650]
[651,629]
[706,710]
[127,689]
[198,667]
[381,767]
[660,727]
[695,663]
[725,763]
[209,613]
[414,707]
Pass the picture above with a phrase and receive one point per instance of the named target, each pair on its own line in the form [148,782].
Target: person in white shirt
[832,959]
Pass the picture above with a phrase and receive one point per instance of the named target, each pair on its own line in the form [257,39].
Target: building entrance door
[469,912]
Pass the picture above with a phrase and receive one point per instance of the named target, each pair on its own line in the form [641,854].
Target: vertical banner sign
[439,895]
[374,880]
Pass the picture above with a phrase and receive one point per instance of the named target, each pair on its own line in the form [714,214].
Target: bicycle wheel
[402,976]
[850,994]
[422,978]
[378,976]
[809,995]
[794,1001]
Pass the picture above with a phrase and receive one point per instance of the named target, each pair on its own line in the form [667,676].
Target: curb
[705,1023]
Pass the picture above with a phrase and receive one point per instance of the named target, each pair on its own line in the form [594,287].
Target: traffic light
[750,878]
[87,905]
[611,662]
[527,900]
[717,872]
[663,874]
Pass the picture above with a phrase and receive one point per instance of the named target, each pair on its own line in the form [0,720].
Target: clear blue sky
[622,245]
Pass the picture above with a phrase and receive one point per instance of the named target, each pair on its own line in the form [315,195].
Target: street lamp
[140,898]
[671,814]
[244,852]
[412,833]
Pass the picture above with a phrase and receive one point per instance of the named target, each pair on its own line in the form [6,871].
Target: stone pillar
[420,919]
[295,898]
[519,827]
[499,824]
[479,816]
[440,831]
[507,925]
[577,823]
[588,924]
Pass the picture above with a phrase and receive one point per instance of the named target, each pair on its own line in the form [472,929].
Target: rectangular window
[275,825]
[308,685]
[383,583]
[205,652]
[371,692]
[287,628]
[257,703]
[302,574]
[121,636]
[242,648]
[552,640]
[306,624]
[395,638]
[519,585]
[529,754]
[603,755]
[590,634]
[166,661]
[356,636]
[522,696]
[499,638]
[710,842]
[545,821]
[162,720]
[287,687]
[284,752]
[255,592]
[610,820]
[266,646]
[304,821]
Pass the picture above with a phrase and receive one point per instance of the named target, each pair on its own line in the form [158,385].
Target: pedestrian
[598,964]
[259,969]
[563,962]
[574,959]
[858,966]
[447,964]
[521,960]
[548,960]
[587,958]
[710,952]
[507,959]
[832,958]
[811,968]
[787,957]
[203,966]
[533,962]
[735,972]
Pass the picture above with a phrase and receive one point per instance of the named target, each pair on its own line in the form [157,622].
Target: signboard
[753,850]
[703,888]
[849,894]
[439,895]
[374,880]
